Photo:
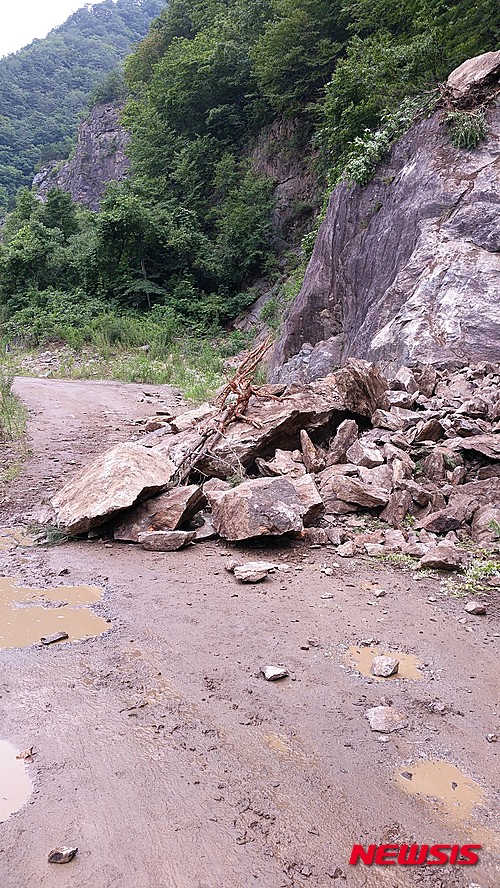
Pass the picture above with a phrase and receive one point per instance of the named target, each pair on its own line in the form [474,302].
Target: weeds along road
[163,754]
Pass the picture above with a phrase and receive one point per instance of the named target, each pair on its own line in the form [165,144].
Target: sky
[23,20]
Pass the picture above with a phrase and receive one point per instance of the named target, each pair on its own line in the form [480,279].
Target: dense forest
[45,86]
[186,237]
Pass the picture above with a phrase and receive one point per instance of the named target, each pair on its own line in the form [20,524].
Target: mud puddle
[439,780]
[27,614]
[362,657]
[15,784]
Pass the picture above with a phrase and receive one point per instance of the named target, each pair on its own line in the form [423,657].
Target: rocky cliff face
[277,155]
[100,157]
[407,269]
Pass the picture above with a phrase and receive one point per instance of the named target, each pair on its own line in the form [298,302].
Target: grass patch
[398,560]
[466,129]
[473,581]
[13,448]
[12,412]
[195,366]
[47,535]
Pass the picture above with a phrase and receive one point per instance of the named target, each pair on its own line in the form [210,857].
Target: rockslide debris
[420,452]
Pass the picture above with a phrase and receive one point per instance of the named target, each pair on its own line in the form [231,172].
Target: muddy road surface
[159,750]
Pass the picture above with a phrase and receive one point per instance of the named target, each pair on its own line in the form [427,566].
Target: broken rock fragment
[166,540]
[313,460]
[253,571]
[384,667]
[273,673]
[62,855]
[475,608]
[284,462]
[309,496]
[118,478]
[364,453]
[165,512]
[441,557]
[345,436]
[362,386]
[385,719]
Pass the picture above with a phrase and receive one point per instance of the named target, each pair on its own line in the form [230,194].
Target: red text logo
[415,855]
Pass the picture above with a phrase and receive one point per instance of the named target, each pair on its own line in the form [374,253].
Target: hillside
[243,117]
[45,86]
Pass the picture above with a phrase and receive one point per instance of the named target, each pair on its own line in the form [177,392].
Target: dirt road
[163,754]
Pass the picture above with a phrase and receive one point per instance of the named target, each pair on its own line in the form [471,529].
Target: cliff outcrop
[100,157]
[405,270]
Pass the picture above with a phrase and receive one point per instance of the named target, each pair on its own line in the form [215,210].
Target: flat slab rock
[253,571]
[273,673]
[114,481]
[166,540]
[165,512]
[385,719]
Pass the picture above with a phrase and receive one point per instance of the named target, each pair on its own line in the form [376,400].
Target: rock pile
[420,452]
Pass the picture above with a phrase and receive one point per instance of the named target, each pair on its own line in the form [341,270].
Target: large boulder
[473,74]
[118,478]
[355,491]
[259,507]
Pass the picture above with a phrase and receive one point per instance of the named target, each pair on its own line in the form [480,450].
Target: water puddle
[12,537]
[27,615]
[362,658]
[15,784]
[458,794]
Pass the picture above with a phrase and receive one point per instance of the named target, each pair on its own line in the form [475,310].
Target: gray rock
[383,666]
[488,445]
[401,399]
[273,673]
[118,478]
[260,507]
[253,571]
[473,73]
[205,531]
[385,719]
[353,490]
[363,453]
[434,466]
[362,387]
[346,550]
[313,461]
[399,505]
[310,498]
[100,157]
[284,462]
[166,540]
[475,608]
[165,512]
[405,381]
[442,557]
[485,526]
[345,436]
[270,424]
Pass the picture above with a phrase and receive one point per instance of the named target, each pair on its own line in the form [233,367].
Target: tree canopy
[45,86]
